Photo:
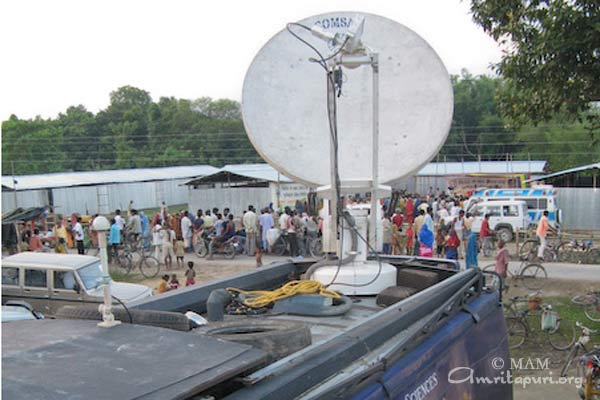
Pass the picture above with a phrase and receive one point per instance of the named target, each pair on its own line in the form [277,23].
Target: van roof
[492,203]
[32,259]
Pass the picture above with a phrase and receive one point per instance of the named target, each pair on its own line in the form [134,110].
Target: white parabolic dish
[284,103]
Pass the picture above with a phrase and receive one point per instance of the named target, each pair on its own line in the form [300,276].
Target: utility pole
[12,164]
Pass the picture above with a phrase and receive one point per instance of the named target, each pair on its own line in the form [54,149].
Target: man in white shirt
[120,222]
[186,231]
[249,221]
[78,234]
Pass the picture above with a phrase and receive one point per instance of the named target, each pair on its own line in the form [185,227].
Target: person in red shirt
[398,219]
[410,243]
[486,232]
[410,211]
[35,243]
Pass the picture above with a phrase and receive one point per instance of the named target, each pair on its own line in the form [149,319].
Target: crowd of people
[432,225]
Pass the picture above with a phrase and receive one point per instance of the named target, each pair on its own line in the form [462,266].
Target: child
[179,251]
[174,284]
[163,284]
[410,240]
[452,245]
[502,259]
[190,274]
[440,242]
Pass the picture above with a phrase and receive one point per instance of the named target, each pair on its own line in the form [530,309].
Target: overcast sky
[60,53]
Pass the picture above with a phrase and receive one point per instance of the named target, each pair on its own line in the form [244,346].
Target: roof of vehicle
[499,202]
[32,259]
[16,313]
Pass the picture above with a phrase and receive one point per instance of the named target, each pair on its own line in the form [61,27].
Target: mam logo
[334,22]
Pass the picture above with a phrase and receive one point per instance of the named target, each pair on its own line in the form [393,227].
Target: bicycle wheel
[564,252]
[280,246]
[517,332]
[563,337]
[488,248]
[592,310]
[316,248]
[580,299]
[569,361]
[229,251]
[149,266]
[533,276]
[201,248]
[592,256]
[125,262]
[528,250]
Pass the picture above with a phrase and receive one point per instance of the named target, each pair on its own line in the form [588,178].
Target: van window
[532,204]
[10,276]
[35,278]
[510,211]
[543,204]
[493,211]
[64,280]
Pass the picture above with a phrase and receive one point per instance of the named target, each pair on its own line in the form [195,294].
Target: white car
[49,281]
[507,217]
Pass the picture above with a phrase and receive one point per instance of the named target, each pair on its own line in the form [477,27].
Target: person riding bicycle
[541,232]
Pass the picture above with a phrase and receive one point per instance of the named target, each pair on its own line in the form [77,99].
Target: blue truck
[439,334]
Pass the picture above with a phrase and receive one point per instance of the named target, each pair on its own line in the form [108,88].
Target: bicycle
[557,251]
[590,303]
[314,246]
[533,276]
[121,257]
[583,339]
[227,248]
[148,265]
[560,333]
[488,246]
[589,370]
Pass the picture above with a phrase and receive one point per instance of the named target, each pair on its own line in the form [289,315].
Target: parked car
[49,281]
[506,217]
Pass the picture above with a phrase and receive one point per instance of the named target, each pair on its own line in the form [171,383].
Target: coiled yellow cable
[262,298]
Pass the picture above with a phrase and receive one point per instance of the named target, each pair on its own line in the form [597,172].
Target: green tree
[551,60]
[478,129]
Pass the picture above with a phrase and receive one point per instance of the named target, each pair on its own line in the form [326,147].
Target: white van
[506,217]
[538,198]
[49,281]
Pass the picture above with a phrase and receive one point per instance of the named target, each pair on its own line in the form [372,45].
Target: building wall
[236,199]
[580,208]
[84,199]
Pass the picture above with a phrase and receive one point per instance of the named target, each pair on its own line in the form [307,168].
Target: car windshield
[91,275]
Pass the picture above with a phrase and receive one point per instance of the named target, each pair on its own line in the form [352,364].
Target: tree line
[136,132]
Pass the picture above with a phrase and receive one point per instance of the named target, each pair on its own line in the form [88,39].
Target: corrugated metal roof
[86,178]
[482,167]
[566,171]
[259,172]
[263,172]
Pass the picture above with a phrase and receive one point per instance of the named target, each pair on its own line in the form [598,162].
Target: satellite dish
[284,102]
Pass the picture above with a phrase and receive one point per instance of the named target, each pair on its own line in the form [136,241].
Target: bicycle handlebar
[590,331]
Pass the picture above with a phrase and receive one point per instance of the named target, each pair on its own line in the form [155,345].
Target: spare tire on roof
[161,319]
[277,338]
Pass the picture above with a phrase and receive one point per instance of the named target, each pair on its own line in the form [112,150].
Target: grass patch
[536,344]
